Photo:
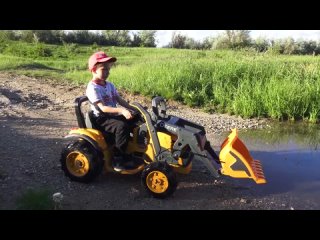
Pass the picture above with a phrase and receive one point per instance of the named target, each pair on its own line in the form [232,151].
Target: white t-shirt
[106,94]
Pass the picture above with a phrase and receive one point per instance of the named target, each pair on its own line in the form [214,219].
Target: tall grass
[251,87]
[249,84]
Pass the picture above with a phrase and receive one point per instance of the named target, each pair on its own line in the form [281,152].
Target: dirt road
[35,115]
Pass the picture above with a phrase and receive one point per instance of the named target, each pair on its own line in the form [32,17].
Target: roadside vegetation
[35,199]
[244,82]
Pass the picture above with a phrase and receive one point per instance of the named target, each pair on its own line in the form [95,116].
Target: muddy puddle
[290,156]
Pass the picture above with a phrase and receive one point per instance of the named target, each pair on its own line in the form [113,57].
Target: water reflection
[292,135]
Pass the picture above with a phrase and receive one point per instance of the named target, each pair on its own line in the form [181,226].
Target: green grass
[249,84]
[35,200]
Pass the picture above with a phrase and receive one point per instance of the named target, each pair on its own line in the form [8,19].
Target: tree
[207,43]
[261,44]
[238,38]
[26,35]
[276,47]
[289,46]
[177,40]
[6,35]
[136,41]
[147,38]
[83,36]
[220,42]
[48,36]
[232,39]
[190,43]
[317,50]
[68,37]
[117,37]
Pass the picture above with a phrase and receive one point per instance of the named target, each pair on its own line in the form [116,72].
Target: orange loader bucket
[237,162]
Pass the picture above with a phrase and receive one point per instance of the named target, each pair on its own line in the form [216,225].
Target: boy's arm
[95,98]
[108,109]
[124,103]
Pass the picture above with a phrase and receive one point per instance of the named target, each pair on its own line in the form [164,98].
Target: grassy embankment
[244,83]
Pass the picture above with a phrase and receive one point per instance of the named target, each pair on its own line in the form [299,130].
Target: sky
[164,36]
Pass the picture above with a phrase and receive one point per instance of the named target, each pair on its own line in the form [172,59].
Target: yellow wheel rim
[77,164]
[157,182]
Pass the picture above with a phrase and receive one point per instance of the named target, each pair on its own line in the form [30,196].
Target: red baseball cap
[99,57]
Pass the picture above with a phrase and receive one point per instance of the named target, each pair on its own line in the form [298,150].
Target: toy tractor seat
[90,120]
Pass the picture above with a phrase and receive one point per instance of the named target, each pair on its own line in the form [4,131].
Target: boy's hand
[134,112]
[126,113]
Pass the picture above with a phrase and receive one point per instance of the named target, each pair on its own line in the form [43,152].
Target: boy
[104,98]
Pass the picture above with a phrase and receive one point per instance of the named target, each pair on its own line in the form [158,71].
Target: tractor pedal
[125,166]
[120,164]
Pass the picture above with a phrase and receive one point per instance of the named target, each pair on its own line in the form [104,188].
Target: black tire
[80,161]
[159,179]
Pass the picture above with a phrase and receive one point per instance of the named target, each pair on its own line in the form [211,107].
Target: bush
[70,48]
[26,50]
[42,51]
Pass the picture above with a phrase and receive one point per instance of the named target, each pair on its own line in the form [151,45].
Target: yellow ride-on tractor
[162,145]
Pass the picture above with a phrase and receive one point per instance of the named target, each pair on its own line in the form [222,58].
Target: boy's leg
[120,130]
[119,127]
